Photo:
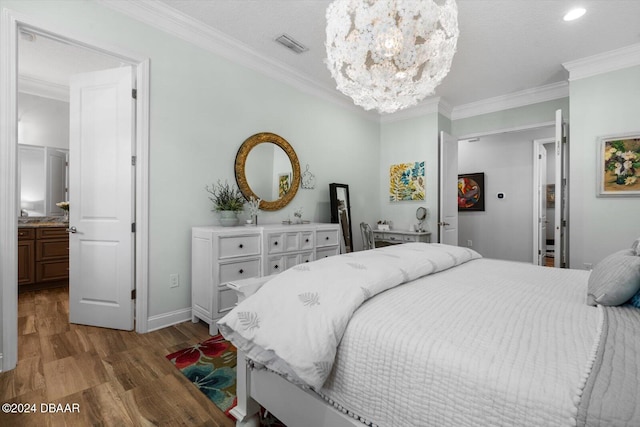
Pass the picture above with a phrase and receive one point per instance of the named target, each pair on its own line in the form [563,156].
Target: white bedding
[295,322]
[487,343]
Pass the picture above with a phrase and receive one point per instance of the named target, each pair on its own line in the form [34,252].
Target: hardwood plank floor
[115,378]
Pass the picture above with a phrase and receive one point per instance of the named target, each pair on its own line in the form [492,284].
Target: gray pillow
[636,246]
[615,279]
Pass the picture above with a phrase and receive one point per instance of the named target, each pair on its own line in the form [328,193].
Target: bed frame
[292,405]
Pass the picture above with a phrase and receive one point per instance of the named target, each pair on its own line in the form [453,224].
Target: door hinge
[134,93]
[539,252]
[564,222]
[133,294]
[133,227]
[539,156]
[133,160]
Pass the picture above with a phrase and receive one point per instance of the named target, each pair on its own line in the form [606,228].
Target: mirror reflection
[268,171]
[42,173]
[267,168]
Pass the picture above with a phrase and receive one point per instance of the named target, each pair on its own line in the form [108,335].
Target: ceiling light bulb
[574,14]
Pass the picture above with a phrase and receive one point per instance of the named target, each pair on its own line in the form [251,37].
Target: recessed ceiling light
[574,14]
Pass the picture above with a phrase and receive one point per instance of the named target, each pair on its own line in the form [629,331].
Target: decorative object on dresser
[43,256]
[225,254]
[341,212]
[471,192]
[227,201]
[267,168]
[254,208]
[422,214]
[406,182]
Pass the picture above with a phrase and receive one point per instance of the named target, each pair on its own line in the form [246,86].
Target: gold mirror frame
[241,178]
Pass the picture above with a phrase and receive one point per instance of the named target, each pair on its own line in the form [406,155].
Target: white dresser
[224,254]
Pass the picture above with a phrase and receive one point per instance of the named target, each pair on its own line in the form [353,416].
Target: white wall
[43,121]
[407,141]
[504,230]
[202,108]
[601,105]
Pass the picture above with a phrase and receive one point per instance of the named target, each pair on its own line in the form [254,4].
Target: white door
[101,182]
[561,206]
[448,199]
[541,211]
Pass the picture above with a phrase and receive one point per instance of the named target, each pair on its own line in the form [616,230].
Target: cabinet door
[52,270]
[26,268]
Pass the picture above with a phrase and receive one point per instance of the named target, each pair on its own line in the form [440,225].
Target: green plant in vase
[227,200]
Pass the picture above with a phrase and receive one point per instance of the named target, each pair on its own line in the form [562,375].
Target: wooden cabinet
[225,254]
[43,255]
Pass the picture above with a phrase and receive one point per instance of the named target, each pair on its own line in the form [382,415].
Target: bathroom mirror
[267,168]
[341,212]
[42,173]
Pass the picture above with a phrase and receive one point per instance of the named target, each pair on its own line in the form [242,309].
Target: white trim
[428,106]
[606,62]
[512,100]
[11,21]
[507,130]
[165,18]
[38,87]
[536,196]
[161,321]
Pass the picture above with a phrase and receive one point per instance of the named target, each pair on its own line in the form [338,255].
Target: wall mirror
[42,180]
[267,168]
[341,212]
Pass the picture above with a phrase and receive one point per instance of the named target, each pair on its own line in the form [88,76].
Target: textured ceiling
[505,46]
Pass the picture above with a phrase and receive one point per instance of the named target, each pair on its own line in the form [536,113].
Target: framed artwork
[551,195]
[406,182]
[619,165]
[284,184]
[471,192]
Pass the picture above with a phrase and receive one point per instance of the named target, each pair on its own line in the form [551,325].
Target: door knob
[443,223]
[72,230]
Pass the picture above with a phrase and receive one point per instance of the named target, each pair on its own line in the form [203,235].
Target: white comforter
[487,343]
[295,322]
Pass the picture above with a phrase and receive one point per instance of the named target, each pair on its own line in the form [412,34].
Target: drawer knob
[241,246]
[275,243]
[20,234]
[241,271]
[326,238]
[306,260]
[275,267]
[306,240]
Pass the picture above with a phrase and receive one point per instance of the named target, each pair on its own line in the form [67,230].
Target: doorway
[16,26]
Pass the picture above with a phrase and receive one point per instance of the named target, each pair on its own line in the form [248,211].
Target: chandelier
[390,54]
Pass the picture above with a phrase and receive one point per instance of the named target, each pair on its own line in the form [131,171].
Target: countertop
[43,224]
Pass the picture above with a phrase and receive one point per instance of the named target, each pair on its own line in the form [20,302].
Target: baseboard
[168,319]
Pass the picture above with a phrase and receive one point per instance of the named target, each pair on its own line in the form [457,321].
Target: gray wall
[601,105]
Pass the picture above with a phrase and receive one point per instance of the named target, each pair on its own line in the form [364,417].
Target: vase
[228,218]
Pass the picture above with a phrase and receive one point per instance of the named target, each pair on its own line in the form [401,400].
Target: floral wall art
[406,182]
[619,166]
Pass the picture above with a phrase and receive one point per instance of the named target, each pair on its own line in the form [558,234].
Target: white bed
[482,342]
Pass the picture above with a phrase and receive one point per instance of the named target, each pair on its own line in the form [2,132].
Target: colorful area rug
[211,366]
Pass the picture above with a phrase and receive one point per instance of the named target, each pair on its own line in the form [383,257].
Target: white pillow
[615,279]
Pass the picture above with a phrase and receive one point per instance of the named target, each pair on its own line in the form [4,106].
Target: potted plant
[227,200]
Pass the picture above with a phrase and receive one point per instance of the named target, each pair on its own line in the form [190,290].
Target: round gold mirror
[267,168]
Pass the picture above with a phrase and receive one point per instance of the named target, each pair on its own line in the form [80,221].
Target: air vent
[291,44]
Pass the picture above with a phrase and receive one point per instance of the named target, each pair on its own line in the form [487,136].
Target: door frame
[11,23]
[536,194]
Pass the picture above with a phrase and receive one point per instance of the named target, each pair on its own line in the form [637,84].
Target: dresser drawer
[239,270]
[393,237]
[275,242]
[410,238]
[236,246]
[327,252]
[52,249]
[26,233]
[306,240]
[276,265]
[327,237]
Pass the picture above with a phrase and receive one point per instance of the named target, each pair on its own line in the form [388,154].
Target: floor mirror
[341,212]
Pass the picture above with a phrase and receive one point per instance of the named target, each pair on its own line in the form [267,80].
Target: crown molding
[38,87]
[174,22]
[606,62]
[512,100]
[428,106]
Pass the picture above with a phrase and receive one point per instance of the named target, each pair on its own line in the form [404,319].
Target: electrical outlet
[174,280]
[469,243]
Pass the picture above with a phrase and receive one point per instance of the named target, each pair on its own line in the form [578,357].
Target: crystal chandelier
[390,54]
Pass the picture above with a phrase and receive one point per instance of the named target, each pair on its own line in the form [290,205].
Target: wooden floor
[116,378]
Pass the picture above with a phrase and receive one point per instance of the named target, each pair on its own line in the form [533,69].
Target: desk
[394,237]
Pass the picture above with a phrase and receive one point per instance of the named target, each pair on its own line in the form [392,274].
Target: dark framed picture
[471,192]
